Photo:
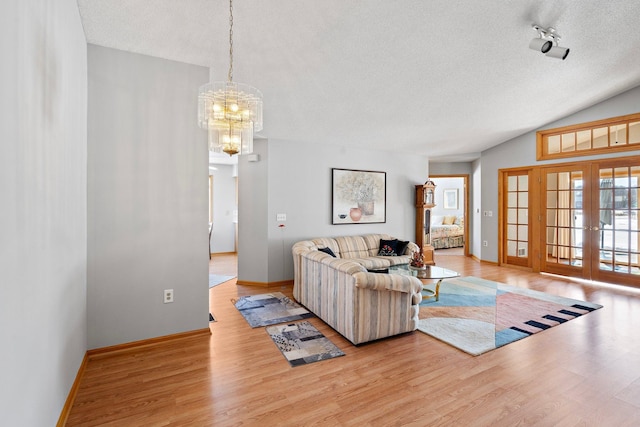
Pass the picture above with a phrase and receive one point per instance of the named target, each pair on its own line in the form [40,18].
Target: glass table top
[430,272]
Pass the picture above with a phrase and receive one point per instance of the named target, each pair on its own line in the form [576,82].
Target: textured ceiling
[446,78]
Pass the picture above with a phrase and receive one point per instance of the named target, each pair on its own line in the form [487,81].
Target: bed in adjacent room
[447,231]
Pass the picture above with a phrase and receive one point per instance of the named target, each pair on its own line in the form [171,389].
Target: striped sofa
[361,305]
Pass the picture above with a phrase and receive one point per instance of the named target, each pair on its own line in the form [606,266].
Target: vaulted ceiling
[442,78]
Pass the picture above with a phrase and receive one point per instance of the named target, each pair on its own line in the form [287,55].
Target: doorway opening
[449,224]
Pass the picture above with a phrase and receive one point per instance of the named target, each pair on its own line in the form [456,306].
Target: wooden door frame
[533,260]
[584,271]
[465,178]
[536,198]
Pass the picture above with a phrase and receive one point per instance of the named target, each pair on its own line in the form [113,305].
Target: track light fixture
[544,43]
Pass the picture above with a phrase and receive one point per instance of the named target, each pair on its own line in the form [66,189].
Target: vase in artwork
[366,207]
[355,214]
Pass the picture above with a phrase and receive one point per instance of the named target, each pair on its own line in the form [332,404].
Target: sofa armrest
[411,248]
[339,264]
[388,282]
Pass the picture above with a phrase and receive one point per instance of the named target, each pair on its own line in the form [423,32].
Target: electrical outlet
[168,296]
[485,243]
[281,217]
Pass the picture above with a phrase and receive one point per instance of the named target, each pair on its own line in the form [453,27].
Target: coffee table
[429,273]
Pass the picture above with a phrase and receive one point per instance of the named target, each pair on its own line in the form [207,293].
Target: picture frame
[358,196]
[450,196]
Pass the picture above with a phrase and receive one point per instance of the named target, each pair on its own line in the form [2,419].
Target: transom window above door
[602,136]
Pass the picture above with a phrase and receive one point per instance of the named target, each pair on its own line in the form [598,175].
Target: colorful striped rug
[477,315]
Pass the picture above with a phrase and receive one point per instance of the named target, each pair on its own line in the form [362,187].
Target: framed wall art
[450,198]
[358,197]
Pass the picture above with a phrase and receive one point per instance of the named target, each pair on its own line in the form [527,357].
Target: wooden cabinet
[425,200]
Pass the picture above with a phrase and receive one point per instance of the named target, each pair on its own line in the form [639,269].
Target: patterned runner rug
[270,309]
[477,315]
[301,343]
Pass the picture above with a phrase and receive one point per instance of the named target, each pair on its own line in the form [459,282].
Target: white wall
[224,204]
[447,184]
[148,198]
[43,222]
[295,179]
[521,151]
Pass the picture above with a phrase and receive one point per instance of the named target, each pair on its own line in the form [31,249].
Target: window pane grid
[619,221]
[517,216]
[615,134]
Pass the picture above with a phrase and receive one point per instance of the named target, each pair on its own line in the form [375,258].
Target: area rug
[216,279]
[270,309]
[301,343]
[477,315]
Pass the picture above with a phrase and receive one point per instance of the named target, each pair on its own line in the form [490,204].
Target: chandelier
[230,111]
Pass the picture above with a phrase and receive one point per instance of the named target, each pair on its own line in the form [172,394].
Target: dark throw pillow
[393,247]
[388,247]
[401,246]
[327,251]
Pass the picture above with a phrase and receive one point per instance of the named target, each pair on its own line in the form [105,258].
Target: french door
[566,228]
[590,220]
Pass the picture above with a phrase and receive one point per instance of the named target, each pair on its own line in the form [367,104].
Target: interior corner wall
[294,179]
[521,151]
[147,198]
[43,220]
[253,244]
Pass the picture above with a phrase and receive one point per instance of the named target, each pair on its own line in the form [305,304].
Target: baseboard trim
[265,284]
[135,345]
[71,398]
[214,254]
[110,351]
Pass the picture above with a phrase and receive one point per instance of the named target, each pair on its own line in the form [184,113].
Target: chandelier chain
[230,75]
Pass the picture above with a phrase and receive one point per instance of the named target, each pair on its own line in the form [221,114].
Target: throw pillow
[388,247]
[449,220]
[459,221]
[401,247]
[327,251]
[393,247]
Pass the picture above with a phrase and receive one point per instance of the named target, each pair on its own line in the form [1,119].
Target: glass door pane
[563,228]
[517,218]
[618,189]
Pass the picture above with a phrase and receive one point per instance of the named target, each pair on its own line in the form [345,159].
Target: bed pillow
[449,220]
[436,220]
[459,221]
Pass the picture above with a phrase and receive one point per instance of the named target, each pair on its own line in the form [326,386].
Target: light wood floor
[583,373]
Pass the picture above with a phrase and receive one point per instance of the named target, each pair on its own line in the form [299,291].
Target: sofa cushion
[372,263]
[352,247]
[327,251]
[328,242]
[396,260]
